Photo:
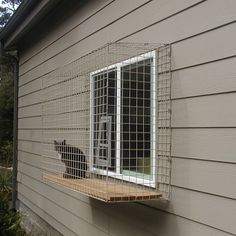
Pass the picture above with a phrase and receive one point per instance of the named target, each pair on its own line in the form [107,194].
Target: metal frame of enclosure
[107,123]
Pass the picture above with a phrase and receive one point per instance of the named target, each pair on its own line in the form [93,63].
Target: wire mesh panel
[164,120]
[106,123]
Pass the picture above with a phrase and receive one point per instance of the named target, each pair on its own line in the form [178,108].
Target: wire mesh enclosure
[106,123]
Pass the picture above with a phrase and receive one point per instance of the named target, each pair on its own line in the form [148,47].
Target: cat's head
[58,146]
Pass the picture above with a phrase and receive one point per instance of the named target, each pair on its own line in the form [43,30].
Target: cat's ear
[64,142]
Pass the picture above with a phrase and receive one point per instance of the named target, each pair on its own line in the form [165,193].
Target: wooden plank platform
[108,191]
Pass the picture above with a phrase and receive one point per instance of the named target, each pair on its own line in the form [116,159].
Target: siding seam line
[178,69]
[25,117]
[175,186]
[74,27]
[143,204]
[101,28]
[172,43]
[77,216]
[176,13]
[22,195]
[156,209]
[203,192]
[205,160]
[159,21]
[204,63]
[203,95]
[174,157]
[175,70]
[172,99]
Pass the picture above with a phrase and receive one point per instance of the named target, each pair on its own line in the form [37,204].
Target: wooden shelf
[106,190]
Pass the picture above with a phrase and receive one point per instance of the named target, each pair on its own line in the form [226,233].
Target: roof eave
[27,15]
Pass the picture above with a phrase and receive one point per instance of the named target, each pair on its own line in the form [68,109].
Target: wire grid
[164,120]
[102,116]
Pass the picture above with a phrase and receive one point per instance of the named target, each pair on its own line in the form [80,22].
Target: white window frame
[117,174]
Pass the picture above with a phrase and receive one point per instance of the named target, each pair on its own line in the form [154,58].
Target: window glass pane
[136,117]
[104,105]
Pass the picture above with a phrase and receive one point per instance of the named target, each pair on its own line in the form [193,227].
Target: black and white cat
[74,159]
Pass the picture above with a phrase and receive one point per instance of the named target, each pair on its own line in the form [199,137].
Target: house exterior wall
[203,193]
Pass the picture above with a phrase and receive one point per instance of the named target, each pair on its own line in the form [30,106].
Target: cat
[74,159]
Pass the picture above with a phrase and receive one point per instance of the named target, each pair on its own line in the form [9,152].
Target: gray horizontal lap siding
[203,121]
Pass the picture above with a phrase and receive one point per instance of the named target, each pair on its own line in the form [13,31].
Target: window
[123,120]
